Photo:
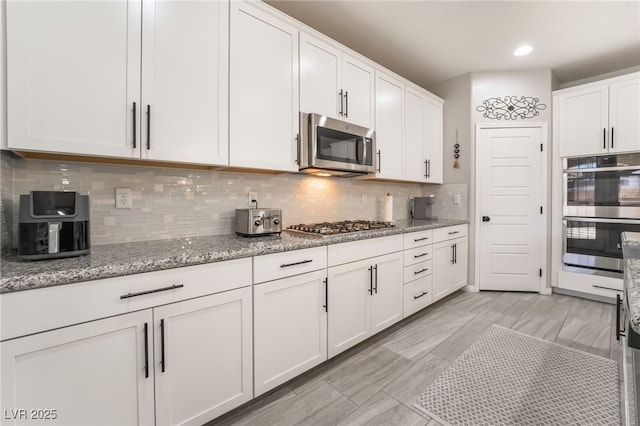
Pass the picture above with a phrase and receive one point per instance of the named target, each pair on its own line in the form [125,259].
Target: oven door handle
[601,220]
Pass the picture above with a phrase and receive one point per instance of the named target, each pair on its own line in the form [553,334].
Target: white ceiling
[432,41]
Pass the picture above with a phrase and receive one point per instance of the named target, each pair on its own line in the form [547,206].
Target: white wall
[463,95]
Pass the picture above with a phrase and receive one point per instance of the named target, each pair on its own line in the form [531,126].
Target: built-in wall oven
[601,200]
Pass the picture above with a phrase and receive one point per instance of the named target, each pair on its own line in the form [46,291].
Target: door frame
[544,288]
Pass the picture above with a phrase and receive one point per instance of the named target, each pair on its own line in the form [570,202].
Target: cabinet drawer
[339,254]
[417,271]
[417,295]
[417,239]
[418,254]
[33,311]
[443,234]
[279,265]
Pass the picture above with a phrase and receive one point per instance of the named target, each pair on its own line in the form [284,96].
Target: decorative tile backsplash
[170,203]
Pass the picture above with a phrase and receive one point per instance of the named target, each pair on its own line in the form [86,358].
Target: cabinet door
[358,86]
[415,162]
[73,75]
[93,373]
[263,90]
[386,301]
[349,320]
[389,126]
[459,268]
[583,122]
[442,262]
[185,81]
[203,357]
[320,70]
[433,140]
[290,332]
[624,110]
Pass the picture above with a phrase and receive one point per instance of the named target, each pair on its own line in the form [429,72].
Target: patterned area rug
[510,378]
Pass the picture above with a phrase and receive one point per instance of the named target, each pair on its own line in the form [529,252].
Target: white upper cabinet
[389,126]
[263,103]
[415,161]
[334,84]
[73,76]
[433,143]
[185,49]
[75,79]
[357,83]
[624,115]
[599,118]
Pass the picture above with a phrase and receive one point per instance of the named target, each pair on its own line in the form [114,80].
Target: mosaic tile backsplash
[174,203]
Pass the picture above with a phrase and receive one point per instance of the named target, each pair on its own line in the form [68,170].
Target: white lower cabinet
[450,261]
[364,298]
[202,357]
[169,347]
[290,328]
[98,373]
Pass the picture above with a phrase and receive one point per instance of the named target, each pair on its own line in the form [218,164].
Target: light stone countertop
[113,260]
[631,250]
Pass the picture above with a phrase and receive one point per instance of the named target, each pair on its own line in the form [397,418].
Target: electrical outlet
[364,197]
[456,199]
[253,199]
[123,198]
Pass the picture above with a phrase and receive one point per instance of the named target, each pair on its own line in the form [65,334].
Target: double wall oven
[601,200]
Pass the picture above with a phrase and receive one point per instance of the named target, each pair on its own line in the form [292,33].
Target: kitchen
[195,201]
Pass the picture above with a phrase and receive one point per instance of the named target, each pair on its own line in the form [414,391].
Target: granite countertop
[631,251]
[113,260]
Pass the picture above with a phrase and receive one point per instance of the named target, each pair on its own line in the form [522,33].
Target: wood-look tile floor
[376,382]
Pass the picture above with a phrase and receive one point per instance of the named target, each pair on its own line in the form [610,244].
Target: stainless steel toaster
[255,222]
[421,207]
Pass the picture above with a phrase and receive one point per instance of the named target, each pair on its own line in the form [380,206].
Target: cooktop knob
[276,221]
[257,223]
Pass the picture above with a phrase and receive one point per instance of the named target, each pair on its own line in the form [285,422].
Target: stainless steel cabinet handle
[142,293]
[286,265]
[454,232]
[148,126]
[420,239]
[612,138]
[162,361]
[604,138]
[420,271]
[379,161]
[346,103]
[370,289]
[341,104]
[134,124]
[376,273]
[424,293]
[326,294]
[146,350]
[420,255]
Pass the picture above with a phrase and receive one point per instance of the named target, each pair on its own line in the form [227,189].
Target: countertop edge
[16,282]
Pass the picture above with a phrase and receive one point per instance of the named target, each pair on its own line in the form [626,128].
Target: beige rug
[510,378]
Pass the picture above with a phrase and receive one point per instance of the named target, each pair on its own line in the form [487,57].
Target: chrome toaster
[255,222]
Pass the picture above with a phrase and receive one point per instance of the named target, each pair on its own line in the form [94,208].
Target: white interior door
[511,183]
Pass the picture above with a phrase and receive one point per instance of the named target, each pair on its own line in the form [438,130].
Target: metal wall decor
[456,152]
[511,107]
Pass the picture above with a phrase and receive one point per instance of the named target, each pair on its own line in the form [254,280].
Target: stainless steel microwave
[330,147]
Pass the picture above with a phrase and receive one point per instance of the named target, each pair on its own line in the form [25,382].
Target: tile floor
[376,382]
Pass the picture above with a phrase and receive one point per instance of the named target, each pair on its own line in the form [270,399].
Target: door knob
[486,218]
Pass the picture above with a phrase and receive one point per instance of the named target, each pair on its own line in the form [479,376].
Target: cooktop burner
[331,228]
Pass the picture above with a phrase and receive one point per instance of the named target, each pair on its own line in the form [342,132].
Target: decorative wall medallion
[511,107]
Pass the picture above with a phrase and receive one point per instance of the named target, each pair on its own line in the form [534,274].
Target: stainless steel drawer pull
[420,239]
[286,265]
[454,232]
[420,255]
[424,293]
[142,293]
[420,271]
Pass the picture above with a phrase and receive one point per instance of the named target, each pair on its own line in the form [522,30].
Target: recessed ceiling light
[523,50]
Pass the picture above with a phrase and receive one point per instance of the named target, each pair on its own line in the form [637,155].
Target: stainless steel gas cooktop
[332,228]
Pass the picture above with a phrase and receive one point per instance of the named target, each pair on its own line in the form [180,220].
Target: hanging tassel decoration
[456,152]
